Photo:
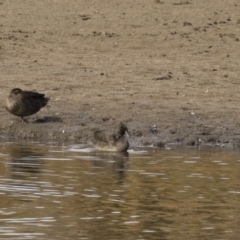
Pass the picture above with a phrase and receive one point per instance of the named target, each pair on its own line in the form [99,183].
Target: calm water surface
[49,191]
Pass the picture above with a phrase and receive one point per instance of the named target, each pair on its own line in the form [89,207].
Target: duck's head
[122,129]
[16,91]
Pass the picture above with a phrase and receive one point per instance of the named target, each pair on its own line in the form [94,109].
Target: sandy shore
[168,69]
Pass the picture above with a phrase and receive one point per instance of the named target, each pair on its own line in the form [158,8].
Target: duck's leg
[23,120]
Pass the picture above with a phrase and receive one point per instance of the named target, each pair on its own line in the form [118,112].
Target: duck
[25,103]
[115,142]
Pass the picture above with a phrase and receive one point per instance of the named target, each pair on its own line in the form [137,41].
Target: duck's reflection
[25,161]
[113,161]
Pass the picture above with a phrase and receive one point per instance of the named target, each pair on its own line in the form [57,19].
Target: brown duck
[115,142]
[25,103]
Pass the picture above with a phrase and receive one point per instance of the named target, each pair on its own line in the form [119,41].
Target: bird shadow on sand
[48,119]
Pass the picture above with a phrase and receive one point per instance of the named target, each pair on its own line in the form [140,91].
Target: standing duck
[25,103]
[115,142]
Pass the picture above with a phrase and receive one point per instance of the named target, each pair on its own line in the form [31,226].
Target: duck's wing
[101,136]
[32,95]
[35,99]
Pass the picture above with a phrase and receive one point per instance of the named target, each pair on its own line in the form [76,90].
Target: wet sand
[168,69]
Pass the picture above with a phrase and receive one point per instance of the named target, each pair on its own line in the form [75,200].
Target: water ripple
[75,192]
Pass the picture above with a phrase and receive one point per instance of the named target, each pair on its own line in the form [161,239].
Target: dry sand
[168,68]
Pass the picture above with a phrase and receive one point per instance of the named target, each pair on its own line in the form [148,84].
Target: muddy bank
[187,132]
[168,69]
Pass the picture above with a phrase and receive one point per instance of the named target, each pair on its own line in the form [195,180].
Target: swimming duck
[24,103]
[115,142]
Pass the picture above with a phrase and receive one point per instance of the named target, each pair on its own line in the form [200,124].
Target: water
[73,192]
